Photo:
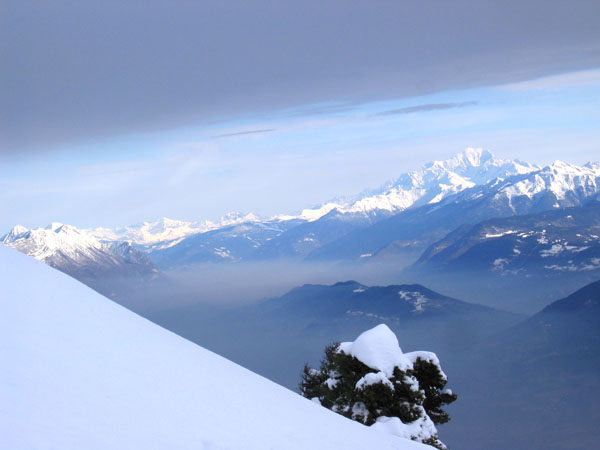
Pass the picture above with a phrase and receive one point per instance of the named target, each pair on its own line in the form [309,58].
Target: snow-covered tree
[371,381]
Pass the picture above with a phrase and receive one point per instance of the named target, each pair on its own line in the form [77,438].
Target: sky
[118,112]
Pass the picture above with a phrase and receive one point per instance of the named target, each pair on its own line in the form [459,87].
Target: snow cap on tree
[373,382]
[379,349]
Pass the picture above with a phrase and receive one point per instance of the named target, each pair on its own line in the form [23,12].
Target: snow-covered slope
[79,371]
[78,253]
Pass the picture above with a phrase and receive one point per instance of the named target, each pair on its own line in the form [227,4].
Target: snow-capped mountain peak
[42,243]
[237,217]
[470,157]
[480,166]
[311,215]
[145,233]
[435,181]
[169,231]
[54,226]
[474,156]
[562,167]
[75,251]
[567,183]
[17,230]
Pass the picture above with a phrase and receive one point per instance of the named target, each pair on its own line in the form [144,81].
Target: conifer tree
[432,383]
[414,394]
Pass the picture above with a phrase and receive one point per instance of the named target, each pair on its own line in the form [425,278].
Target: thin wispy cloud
[243,133]
[316,110]
[425,108]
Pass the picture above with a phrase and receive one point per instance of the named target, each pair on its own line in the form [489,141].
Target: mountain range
[551,242]
[525,260]
[555,186]
[164,232]
[314,227]
[402,216]
[229,243]
[401,222]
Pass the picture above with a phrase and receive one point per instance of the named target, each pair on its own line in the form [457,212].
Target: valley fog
[230,286]
[239,284]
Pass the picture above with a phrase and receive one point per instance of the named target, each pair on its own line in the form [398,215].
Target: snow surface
[311,215]
[566,182]
[417,299]
[425,356]
[378,348]
[373,378]
[552,251]
[497,235]
[42,243]
[79,371]
[423,426]
[591,264]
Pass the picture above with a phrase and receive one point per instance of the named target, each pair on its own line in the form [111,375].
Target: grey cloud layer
[74,70]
